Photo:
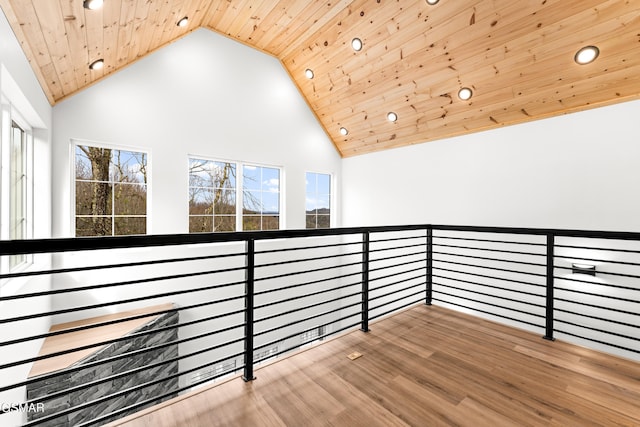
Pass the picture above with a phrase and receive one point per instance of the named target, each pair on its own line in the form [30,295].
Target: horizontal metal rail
[500,288]
[504,251]
[488,267]
[106,266]
[592,248]
[590,282]
[489,295]
[124,301]
[487,276]
[311,282]
[507,242]
[534,264]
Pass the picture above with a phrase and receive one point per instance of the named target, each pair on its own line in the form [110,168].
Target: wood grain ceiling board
[516,56]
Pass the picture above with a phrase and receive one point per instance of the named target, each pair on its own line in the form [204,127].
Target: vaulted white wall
[202,95]
[577,171]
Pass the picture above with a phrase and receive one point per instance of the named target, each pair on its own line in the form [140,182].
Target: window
[313,336]
[227,196]
[318,200]
[15,194]
[260,198]
[212,196]
[16,171]
[214,372]
[111,191]
[17,190]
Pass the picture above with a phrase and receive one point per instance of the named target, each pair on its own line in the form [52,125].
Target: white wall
[576,171]
[20,93]
[203,95]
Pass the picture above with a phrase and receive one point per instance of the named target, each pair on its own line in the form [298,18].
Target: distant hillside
[321,211]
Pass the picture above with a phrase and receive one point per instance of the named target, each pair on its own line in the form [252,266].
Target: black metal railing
[207,306]
[527,278]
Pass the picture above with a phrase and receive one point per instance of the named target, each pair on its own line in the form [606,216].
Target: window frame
[18,217]
[11,119]
[120,147]
[237,182]
[240,189]
[332,203]
[243,190]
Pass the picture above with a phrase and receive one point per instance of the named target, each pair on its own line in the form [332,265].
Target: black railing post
[248,311]
[429,272]
[549,303]
[365,282]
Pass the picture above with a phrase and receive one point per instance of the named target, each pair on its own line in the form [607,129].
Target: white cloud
[272,185]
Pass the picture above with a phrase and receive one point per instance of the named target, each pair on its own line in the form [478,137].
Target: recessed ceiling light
[392,117]
[309,73]
[356,44]
[92,4]
[97,65]
[432,2]
[587,55]
[344,131]
[183,22]
[465,93]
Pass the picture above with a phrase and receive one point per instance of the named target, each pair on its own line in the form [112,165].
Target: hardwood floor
[427,366]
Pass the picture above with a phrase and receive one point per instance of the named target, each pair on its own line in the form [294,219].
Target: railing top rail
[34,246]
[593,234]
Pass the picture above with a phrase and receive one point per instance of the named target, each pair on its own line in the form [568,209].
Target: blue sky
[318,191]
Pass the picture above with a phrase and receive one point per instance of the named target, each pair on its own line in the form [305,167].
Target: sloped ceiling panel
[517,57]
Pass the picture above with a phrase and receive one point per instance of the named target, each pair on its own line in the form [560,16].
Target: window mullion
[239,196]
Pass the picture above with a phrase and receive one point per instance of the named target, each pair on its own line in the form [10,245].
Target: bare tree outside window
[212,196]
[111,191]
[215,191]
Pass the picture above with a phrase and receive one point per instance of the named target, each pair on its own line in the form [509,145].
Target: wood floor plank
[411,407]
[288,395]
[358,406]
[424,366]
[483,416]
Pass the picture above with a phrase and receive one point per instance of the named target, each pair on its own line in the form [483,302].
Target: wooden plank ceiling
[516,56]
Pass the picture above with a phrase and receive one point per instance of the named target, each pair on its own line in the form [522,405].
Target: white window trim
[240,186]
[72,175]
